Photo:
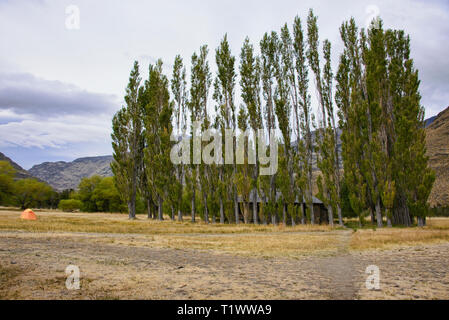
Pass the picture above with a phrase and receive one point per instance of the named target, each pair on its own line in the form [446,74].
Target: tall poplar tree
[382,121]
[412,178]
[304,118]
[243,180]
[287,101]
[179,90]
[126,143]
[351,115]
[326,133]
[199,92]
[250,88]
[224,89]
[158,129]
[268,48]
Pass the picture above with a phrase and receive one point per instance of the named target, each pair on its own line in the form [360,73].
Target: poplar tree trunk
[222,218]
[132,201]
[262,208]
[206,210]
[408,218]
[401,215]
[312,212]
[160,212]
[154,211]
[132,210]
[284,215]
[256,176]
[331,215]
[255,213]
[389,224]
[303,218]
[379,214]
[236,203]
[236,208]
[149,211]
[340,217]
[330,211]
[180,194]
[193,206]
[273,197]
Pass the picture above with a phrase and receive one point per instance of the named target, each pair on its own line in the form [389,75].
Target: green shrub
[70,205]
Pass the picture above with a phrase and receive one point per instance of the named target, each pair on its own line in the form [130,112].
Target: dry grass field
[122,259]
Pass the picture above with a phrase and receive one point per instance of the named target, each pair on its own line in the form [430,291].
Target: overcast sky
[59,87]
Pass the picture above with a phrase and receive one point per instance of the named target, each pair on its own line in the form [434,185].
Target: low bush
[70,205]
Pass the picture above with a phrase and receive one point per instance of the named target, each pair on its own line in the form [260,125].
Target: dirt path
[339,274]
[32,267]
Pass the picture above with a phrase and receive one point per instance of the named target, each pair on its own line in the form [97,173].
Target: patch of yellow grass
[388,238]
[266,241]
[290,245]
[438,223]
[119,223]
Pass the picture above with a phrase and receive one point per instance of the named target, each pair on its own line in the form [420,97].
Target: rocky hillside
[429,121]
[438,151]
[20,172]
[67,175]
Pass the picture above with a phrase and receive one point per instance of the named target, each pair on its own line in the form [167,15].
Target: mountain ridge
[21,173]
[63,175]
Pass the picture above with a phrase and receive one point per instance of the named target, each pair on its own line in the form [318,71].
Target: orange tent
[28,215]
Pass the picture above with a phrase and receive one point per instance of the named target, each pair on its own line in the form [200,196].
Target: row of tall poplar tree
[371,104]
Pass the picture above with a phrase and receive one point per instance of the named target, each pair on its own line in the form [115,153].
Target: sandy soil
[32,266]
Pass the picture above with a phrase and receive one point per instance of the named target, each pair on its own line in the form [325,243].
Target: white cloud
[55,132]
[112,34]
[92,64]
[26,94]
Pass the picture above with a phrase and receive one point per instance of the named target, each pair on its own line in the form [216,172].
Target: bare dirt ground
[121,266]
